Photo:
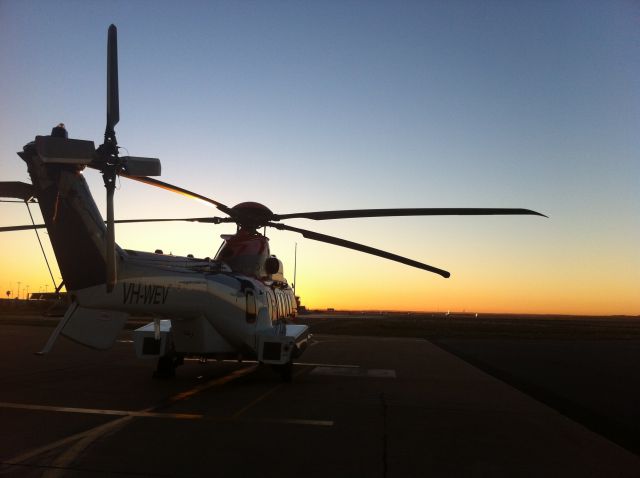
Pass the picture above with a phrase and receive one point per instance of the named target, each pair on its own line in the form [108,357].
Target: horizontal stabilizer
[56,150]
[56,333]
[137,166]
[95,328]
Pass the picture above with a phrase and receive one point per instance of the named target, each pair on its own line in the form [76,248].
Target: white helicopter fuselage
[213,310]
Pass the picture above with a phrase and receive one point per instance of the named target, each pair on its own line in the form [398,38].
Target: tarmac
[358,406]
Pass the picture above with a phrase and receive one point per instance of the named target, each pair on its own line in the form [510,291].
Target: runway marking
[80,441]
[330,365]
[350,372]
[97,411]
[175,416]
[199,388]
[104,428]
[84,439]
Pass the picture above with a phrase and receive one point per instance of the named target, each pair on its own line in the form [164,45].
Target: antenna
[295,267]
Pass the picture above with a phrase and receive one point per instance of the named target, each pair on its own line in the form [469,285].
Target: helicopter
[236,305]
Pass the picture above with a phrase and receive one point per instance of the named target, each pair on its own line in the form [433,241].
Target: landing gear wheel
[167,366]
[285,371]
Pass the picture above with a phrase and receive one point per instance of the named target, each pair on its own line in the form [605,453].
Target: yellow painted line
[262,397]
[105,428]
[178,416]
[255,402]
[80,441]
[85,438]
[212,383]
[63,460]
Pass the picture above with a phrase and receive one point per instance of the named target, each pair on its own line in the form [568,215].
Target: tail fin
[76,228]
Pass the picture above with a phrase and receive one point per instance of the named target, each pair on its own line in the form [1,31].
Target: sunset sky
[307,106]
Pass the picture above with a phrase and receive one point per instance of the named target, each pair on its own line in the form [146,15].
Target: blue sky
[335,105]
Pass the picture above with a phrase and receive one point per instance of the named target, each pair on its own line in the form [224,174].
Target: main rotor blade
[17,190]
[179,190]
[21,228]
[359,247]
[113,103]
[210,220]
[353,213]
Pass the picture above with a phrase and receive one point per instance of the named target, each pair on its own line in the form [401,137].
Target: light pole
[18,296]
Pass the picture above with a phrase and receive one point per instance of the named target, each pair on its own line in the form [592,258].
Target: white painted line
[351,372]
[80,441]
[341,372]
[97,411]
[331,365]
[304,364]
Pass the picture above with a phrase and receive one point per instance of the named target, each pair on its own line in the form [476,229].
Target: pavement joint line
[86,437]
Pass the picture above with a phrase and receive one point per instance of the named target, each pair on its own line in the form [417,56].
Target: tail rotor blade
[22,228]
[113,102]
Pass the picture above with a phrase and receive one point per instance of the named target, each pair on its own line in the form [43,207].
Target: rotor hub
[251,215]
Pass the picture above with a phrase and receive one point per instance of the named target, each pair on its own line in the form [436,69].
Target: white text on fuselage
[144,293]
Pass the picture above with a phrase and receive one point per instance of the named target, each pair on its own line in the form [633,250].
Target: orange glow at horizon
[375,284]
[490,273]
